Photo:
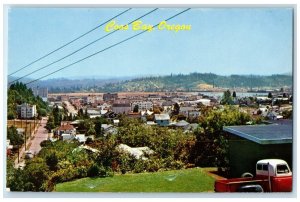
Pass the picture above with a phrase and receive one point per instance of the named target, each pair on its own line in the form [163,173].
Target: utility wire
[109,47]
[80,48]
[70,42]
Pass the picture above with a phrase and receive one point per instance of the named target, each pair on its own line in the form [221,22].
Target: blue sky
[222,40]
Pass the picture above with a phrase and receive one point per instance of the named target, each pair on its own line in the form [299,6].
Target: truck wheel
[246,175]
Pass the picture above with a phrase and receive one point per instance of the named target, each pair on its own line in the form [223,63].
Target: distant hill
[178,82]
[199,81]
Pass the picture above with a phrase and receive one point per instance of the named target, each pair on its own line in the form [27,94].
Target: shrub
[153,165]
[52,161]
[139,166]
[93,171]
[46,143]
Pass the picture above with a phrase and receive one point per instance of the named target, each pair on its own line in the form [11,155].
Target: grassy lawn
[190,180]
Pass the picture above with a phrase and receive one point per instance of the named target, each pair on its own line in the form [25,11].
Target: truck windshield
[282,169]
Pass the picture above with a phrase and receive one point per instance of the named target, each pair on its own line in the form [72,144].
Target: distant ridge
[173,82]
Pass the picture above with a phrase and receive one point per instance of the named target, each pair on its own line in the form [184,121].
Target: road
[41,135]
[34,144]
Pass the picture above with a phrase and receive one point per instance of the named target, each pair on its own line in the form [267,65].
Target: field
[189,180]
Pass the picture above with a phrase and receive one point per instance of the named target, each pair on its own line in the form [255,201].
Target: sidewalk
[22,149]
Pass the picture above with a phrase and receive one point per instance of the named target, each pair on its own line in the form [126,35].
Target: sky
[223,41]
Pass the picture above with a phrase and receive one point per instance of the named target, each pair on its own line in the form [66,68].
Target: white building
[26,111]
[143,105]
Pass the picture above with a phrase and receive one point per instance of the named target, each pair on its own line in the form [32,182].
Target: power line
[109,47]
[80,48]
[70,41]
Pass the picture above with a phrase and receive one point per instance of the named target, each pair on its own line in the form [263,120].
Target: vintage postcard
[149,99]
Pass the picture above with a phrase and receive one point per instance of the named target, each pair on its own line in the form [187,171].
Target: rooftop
[162,116]
[66,127]
[264,134]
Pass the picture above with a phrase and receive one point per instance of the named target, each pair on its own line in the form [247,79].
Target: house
[26,111]
[66,129]
[65,136]
[248,144]
[108,129]
[93,113]
[121,108]
[81,138]
[162,119]
[151,123]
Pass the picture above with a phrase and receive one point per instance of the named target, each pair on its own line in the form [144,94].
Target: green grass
[189,180]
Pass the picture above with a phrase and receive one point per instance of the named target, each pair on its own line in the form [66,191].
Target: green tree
[211,148]
[50,123]
[176,109]
[227,98]
[136,108]
[270,95]
[14,137]
[57,117]
[52,161]
[234,94]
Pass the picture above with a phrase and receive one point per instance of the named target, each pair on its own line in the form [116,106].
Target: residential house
[81,138]
[93,113]
[66,129]
[66,137]
[162,119]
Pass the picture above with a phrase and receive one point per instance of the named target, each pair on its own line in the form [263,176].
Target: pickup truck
[272,175]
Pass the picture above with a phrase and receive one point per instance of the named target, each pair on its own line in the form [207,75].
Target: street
[34,144]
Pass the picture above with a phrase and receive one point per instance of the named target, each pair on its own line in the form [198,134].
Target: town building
[26,111]
[110,96]
[121,108]
[142,105]
[41,92]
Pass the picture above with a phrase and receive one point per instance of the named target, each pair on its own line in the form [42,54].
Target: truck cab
[273,168]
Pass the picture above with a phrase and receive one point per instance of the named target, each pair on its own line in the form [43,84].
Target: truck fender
[247,174]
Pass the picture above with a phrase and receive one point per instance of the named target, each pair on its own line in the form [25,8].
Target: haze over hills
[178,82]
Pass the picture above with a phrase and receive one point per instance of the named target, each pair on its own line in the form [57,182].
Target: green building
[248,144]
